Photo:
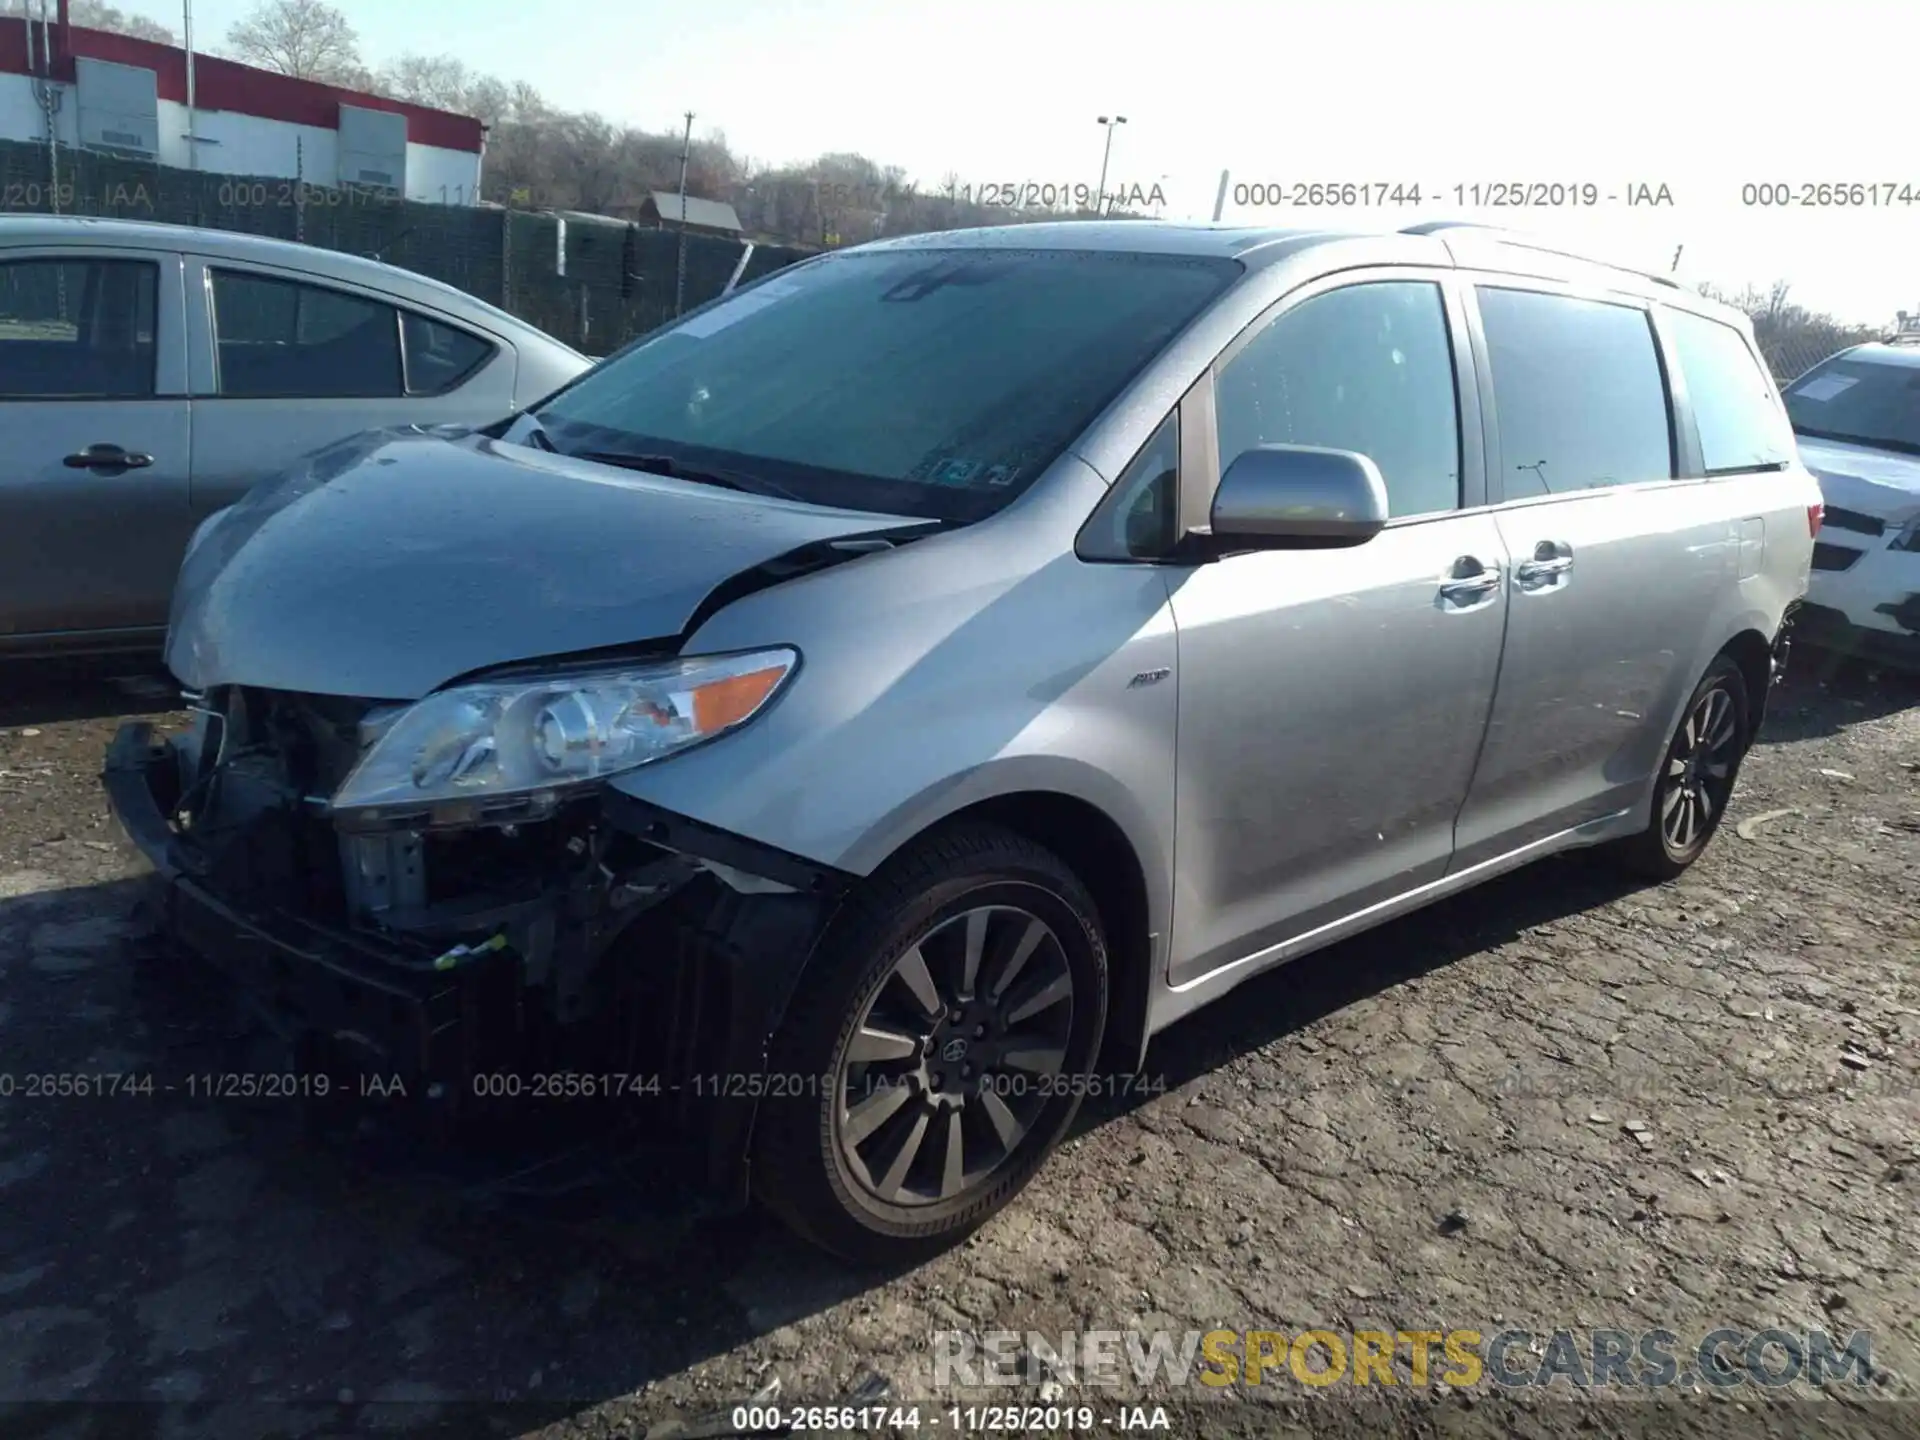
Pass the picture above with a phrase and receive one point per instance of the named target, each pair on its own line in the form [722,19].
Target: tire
[1697,770]
[879,1074]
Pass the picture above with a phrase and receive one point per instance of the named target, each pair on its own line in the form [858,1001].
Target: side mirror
[1299,497]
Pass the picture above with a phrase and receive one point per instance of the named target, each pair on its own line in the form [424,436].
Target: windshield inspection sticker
[999,475]
[1824,388]
[736,310]
[955,472]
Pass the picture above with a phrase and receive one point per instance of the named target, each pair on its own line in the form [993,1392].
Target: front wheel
[1696,777]
[946,1028]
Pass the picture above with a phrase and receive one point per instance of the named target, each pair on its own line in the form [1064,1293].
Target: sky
[1703,97]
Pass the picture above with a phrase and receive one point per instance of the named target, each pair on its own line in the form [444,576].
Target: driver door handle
[1550,558]
[107,457]
[1470,580]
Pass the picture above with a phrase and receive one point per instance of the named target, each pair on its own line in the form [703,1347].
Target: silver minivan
[848,724]
[150,374]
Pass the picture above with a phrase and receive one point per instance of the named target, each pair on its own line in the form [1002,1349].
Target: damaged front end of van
[411,670]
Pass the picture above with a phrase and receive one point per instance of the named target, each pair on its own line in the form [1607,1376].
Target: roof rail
[1522,241]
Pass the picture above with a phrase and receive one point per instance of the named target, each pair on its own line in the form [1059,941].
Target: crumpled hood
[1881,483]
[388,564]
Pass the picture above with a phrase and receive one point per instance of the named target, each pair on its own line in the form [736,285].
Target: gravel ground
[1557,1102]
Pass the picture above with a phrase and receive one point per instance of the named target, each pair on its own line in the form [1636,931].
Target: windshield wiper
[700,475]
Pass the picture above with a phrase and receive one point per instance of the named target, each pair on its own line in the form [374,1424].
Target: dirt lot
[1558,1102]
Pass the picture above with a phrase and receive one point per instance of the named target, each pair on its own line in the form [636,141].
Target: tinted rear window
[1578,392]
[1741,425]
[921,382]
[438,356]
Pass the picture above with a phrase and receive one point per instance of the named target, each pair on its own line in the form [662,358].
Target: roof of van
[1468,245]
[1137,237]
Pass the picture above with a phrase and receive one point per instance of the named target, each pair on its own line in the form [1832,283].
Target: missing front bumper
[683,998]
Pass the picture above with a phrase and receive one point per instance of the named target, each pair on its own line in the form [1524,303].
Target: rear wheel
[939,1036]
[1696,778]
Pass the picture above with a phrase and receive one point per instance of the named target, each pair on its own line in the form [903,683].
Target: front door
[95,442]
[1333,702]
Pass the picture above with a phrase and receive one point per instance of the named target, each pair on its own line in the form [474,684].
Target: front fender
[964,667]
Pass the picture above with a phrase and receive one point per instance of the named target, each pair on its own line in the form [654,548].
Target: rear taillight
[1815,514]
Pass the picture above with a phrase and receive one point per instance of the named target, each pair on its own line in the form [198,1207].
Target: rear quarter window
[439,357]
[1742,426]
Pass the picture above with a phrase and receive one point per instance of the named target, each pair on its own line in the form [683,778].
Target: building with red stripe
[129,97]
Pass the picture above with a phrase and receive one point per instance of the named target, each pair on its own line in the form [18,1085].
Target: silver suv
[858,717]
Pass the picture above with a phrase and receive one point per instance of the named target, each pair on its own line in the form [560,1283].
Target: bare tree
[488,99]
[97,15]
[1792,338]
[308,39]
[442,81]
[542,157]
[587,154]
[528,103]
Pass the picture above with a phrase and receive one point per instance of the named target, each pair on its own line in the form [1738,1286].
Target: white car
[1856,416]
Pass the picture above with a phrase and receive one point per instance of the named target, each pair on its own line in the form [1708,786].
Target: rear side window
[284,339]
[1578,391]
[77,329]
[1741,426]
[439,357]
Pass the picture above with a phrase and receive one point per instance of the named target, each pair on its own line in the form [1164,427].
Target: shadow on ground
[165,1241]
[46,692]
[1825,693]
[1294,996]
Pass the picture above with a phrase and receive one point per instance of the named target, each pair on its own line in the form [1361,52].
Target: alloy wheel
[1700,769]
[958,1051]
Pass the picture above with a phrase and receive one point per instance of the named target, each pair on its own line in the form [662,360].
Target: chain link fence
[1790,358]
[592,283]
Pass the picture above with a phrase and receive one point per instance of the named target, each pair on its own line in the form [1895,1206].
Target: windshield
[1866,402]
[932,383]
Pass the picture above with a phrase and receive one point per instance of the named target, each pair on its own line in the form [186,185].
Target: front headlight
[518,738]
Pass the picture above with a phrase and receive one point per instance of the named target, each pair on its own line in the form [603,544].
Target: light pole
[680,263]
[193,135]
[1105,156]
